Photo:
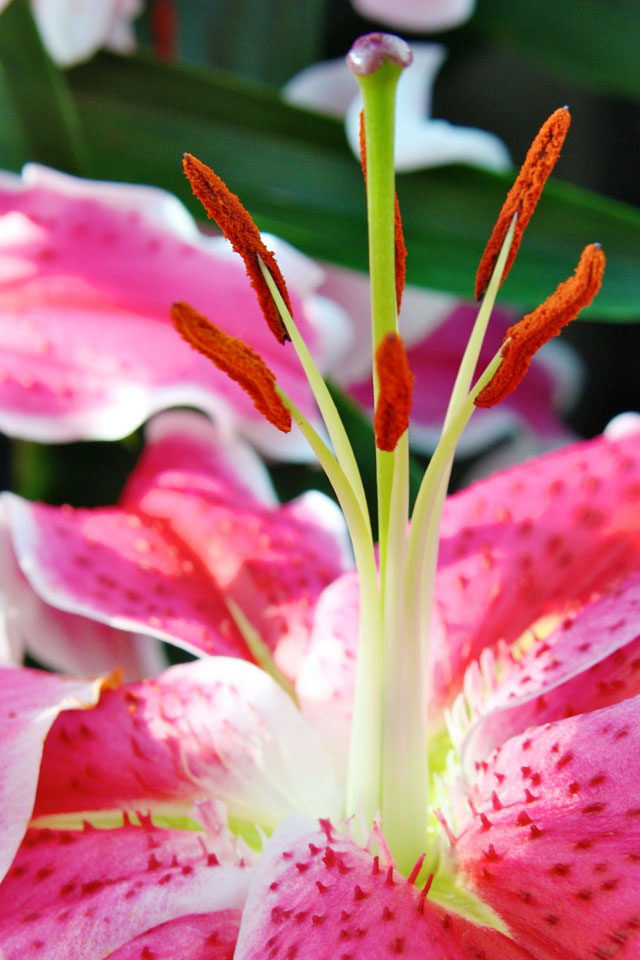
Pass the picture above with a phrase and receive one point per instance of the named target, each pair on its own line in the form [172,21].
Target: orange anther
[236,223]
[524,195]
[234,358]
[400,246]
[395,383]
[523,339]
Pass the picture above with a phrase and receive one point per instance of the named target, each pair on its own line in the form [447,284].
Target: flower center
[388,773]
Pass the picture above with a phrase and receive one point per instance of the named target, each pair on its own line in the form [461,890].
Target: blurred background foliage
[206,79]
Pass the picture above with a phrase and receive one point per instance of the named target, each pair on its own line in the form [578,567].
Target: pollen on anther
[395,381]
[524,339]
[234,358]
[237,225]
[524,195]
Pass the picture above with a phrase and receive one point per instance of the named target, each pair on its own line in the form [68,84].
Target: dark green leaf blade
[295,173]
[596,44]
[39,93]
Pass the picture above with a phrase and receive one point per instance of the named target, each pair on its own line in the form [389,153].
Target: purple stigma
[370,52]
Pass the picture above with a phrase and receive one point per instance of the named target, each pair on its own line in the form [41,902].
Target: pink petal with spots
[80,895]
[62,640]
[31,701]
[590,661]
[193,529]
[434,361]
[554,846]
[217,728]
[88,348]
[317,894]
[202,936]
[325,684]
[538,539]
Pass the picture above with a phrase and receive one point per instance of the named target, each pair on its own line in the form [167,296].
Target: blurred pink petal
[89,272]
[531,409]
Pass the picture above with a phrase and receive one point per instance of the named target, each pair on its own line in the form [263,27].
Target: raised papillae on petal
[395,379]
[370,52]
[400,245]
[525,338]
[237,225]
[316,894]
[524,195]
[236,359]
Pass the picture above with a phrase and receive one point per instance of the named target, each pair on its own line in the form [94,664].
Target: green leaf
[596,44]
[41,100]
[263,39]
[293,170]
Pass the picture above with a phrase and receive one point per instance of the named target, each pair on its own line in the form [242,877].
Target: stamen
[236,223]
[524,194]
[523,339]
[400,246]
[234,358]
[395,378]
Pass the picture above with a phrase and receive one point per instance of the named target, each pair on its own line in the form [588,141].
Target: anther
[523,339]
[395,381]
[524,195]
[236,223]
[400,246]
[234,358]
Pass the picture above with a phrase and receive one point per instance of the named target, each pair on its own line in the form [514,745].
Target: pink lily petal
[420,141]
[88,278]
[61,640]
[555,848]
[317,894]
[434,361]
[94,891]
[535,540]
[325,684]
[213,728]
[589,662]
[31,701]
[201,936]
[417,14]
[198,524]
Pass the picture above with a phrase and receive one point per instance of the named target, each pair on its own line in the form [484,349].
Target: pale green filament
[258,647]
[330,415]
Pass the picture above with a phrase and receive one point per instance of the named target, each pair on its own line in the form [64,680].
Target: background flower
[417,14]
[73,30]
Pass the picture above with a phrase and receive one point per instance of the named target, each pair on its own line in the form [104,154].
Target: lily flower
[73,31]
[86,271]
[532,642]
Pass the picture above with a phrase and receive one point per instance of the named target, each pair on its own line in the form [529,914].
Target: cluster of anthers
[396,584]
